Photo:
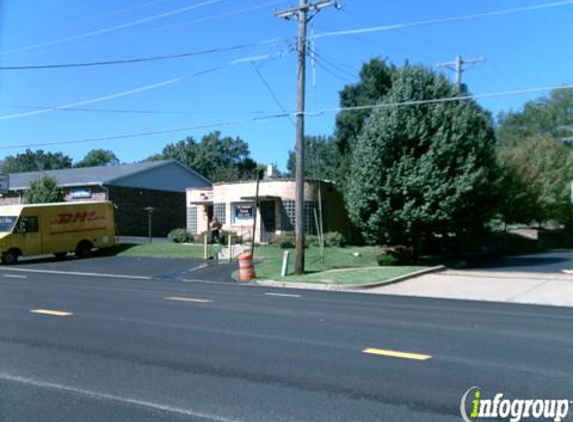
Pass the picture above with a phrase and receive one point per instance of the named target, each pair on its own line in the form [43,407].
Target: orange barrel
[246,266]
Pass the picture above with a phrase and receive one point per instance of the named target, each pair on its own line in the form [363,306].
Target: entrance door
[268,217]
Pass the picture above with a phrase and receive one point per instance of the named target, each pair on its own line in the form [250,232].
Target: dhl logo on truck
[78,217]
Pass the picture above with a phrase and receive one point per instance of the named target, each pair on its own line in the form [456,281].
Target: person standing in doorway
[215,228]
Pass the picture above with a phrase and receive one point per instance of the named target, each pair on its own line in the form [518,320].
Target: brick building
[233,205]
[131,187]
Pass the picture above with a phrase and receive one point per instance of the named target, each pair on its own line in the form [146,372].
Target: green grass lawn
[341,266]
[352,275]
[350,265]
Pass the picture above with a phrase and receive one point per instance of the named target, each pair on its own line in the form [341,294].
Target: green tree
[98,157]
[376,78]
[44,190]
[550,116]
[35,161]
[321,158]
[216,157]
[536,183]
[422,169]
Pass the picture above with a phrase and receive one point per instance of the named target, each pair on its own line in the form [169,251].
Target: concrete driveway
[537,278]
[554,289]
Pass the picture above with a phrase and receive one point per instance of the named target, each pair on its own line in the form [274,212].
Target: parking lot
[130,267]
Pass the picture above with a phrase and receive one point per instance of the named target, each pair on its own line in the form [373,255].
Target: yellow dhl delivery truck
[57,229]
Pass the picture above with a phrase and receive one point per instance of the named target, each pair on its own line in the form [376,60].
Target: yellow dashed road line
[188,299]
[396,354]
[51,312]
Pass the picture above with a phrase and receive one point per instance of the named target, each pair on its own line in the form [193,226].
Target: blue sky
[523,50]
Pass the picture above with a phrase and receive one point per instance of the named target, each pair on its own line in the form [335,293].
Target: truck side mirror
[22,228]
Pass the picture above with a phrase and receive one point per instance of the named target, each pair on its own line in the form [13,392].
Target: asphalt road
[551,261]
[226,352]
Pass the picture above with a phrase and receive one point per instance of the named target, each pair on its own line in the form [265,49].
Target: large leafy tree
[536,182]
[216,157]
[321,157]
[376,78]
[422,169]
[98,157]
[44,190]
[550,116]
[35,161]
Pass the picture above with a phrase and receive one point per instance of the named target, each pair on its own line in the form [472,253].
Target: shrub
[334,239]
[403,255]
[312,240]
[223,237]
[235,238]
[284,240]
[386,260]
[180,236]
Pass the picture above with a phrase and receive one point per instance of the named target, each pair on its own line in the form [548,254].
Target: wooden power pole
[458,67]
[303,13]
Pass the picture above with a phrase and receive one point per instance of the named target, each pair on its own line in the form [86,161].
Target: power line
[338,72]
[334,73]
[142,59]
[141,88]
[210,18]
[129,111]
[290,114]
[442,20]
[439,100]
[272,92]
[48,8]
[114,28]
[426,40]
[98,17]
[152,133]
[200,20]
[342,67]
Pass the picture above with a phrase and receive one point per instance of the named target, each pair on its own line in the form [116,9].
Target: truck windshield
[7,223]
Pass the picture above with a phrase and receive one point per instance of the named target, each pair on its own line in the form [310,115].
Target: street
[99,348]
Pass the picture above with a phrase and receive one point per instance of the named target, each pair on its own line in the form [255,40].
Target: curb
[342,288]
[395,280]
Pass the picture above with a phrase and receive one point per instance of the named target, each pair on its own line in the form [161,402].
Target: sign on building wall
[4,183]
[81,193]
[242,214]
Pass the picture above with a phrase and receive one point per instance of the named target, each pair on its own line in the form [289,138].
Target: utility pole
[458,67]
[301,13]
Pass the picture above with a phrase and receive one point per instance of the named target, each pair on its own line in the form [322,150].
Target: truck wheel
[10,257]
[60,256]
[83,249]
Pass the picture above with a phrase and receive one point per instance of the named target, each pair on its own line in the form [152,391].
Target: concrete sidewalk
[531,288]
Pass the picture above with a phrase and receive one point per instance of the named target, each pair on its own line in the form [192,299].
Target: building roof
[92,176]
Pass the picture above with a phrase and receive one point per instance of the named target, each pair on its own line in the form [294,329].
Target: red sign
[78,217]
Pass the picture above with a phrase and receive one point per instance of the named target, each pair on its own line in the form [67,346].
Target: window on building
[288,216]
[192,219]
[220,211]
